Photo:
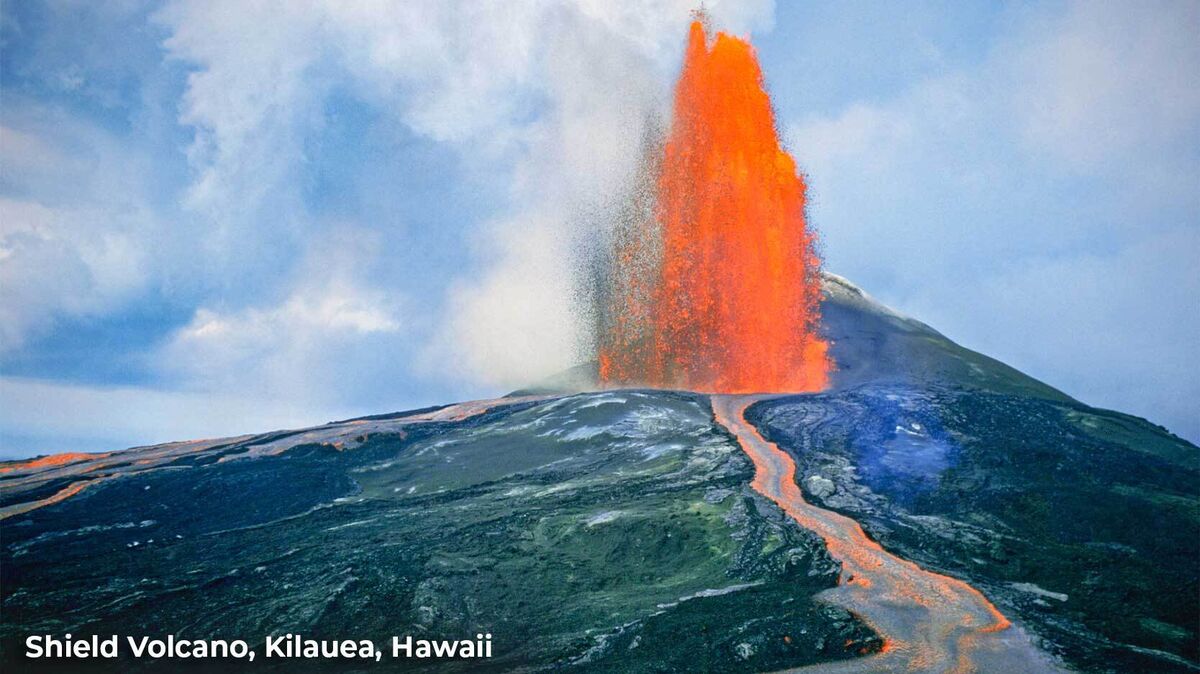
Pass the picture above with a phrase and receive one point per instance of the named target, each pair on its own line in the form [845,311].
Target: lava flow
[716,288]
[929,622]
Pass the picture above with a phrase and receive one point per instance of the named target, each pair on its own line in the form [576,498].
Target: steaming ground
[620,531]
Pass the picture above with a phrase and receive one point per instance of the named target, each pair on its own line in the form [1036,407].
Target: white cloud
[550,94]
[1108,82]
[862,133]
[1040,206]
[250,103]
[74,226]
[518,322]
[607,73]
[544,98]
[330,327]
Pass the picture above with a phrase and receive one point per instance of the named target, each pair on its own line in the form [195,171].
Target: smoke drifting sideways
[709,278]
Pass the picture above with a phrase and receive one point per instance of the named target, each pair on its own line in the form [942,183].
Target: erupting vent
[716,288]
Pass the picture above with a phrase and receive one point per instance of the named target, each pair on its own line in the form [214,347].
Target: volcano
[763,469]
[634,530]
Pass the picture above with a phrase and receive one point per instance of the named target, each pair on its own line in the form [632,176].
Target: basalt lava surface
[600,532]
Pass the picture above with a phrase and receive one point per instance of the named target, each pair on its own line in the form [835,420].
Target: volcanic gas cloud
[712,282]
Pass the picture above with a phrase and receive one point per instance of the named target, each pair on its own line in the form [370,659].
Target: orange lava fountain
[716,289]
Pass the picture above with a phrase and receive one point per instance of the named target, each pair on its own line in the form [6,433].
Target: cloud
[187,156]
[330,328]
[251,98]
[869,136]
[517,322]
[1104,82]
[1040,205]
[74,226]
[547,96]
[607,73]
[516,319]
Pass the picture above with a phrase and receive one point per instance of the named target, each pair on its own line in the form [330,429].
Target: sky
[235,216]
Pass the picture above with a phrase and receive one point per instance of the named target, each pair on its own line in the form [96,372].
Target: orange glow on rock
[731,302]
[50,461]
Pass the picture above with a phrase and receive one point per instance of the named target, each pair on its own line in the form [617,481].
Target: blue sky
[227,217]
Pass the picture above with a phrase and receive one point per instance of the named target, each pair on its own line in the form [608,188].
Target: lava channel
[929,622]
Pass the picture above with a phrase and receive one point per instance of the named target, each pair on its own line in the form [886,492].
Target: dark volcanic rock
[612,531]
[1083,524]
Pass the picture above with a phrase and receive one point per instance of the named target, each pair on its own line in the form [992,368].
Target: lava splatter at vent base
[716,287]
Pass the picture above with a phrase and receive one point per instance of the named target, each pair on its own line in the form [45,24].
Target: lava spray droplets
[714,286]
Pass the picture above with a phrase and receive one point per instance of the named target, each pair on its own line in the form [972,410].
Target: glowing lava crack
[930,622]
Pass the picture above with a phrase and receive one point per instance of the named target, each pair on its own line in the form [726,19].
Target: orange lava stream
[730,303]
[59,496]
[929,622]
[82,465]
[48,461]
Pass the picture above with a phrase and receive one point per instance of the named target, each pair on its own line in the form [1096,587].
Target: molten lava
[716,289]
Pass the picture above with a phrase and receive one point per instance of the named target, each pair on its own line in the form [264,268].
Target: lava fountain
[715,286]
